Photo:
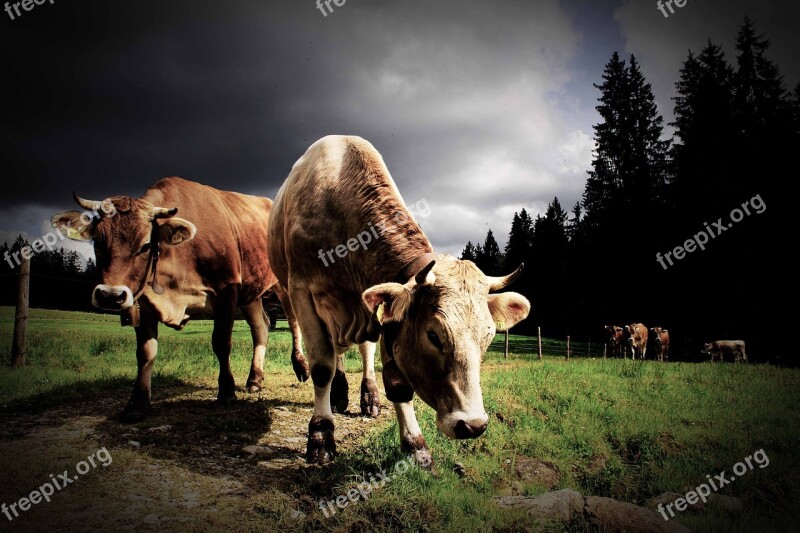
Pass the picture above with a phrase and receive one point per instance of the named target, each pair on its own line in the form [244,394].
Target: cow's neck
[403,250]
[399,239]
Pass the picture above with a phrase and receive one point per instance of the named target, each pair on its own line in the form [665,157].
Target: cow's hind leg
[411,439]
[321,446]
[224,313]
[370,398]
[340,390]
[259,331]
[299,363]
[146,349]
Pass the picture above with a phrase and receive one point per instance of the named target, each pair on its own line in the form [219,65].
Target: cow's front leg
[224,312]
[411,439]
[340,390]
[146,349]
[321,446]
[259,331]
[370,397]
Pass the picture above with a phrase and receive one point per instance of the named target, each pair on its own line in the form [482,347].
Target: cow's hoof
[225,398]
[133,414]
[300,367]
[255,381]
[321,447]
[370,398]
[339,392]
[422,458]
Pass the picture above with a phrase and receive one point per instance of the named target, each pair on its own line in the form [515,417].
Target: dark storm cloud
[480,108]
[456,95]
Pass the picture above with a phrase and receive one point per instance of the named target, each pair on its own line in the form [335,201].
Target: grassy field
[622,429]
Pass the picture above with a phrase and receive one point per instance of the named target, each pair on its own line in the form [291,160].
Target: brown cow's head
[659,332]
[127,233]
[707,347]
[437,327]
[614,334]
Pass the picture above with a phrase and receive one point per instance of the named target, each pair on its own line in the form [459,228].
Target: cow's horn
[421,277]
[498,283]
[89,205]
[164,212]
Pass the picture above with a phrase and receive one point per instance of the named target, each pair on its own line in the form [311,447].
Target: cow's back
[231,241]
[339,188]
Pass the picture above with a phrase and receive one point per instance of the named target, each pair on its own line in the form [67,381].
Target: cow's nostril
[111,298]
[470,430]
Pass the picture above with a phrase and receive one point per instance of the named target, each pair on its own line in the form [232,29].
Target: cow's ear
[74,225]
[176,230]
[508,308]
[396,297]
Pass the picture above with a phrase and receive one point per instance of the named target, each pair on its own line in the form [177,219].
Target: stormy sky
[478,108]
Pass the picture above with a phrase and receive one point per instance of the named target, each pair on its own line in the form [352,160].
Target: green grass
[624,429]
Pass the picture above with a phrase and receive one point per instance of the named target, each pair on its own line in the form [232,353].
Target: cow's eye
[145,248]
[435,340]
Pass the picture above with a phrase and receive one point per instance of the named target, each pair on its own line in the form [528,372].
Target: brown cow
[720,349]
[661,340]
[637,339]
[615,335]
[157,267]
[438,316]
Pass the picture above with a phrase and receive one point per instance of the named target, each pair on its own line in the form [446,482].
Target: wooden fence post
[589,349]
[506,356]
[567,347]
[605,347]
[539,338]
[20,343]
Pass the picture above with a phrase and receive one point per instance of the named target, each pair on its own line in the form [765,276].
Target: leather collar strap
[414,266]
[152,263]
[390,330]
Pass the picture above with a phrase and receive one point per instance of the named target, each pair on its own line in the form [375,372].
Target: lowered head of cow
[126,245]
[707,347]
[436,328]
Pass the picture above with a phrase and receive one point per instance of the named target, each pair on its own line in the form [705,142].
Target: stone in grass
[669,497]
[160,429]
[560,506]
[612,515]
[541,473]
[256,450]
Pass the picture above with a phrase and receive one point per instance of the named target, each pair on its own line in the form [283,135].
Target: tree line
[59,279]
[736,126]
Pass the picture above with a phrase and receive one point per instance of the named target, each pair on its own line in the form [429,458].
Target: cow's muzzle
[459,426]
[112,297]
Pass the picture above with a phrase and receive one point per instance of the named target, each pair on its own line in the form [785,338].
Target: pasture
[625,429]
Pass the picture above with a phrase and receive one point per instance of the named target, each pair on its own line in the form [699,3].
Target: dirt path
[192,465]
